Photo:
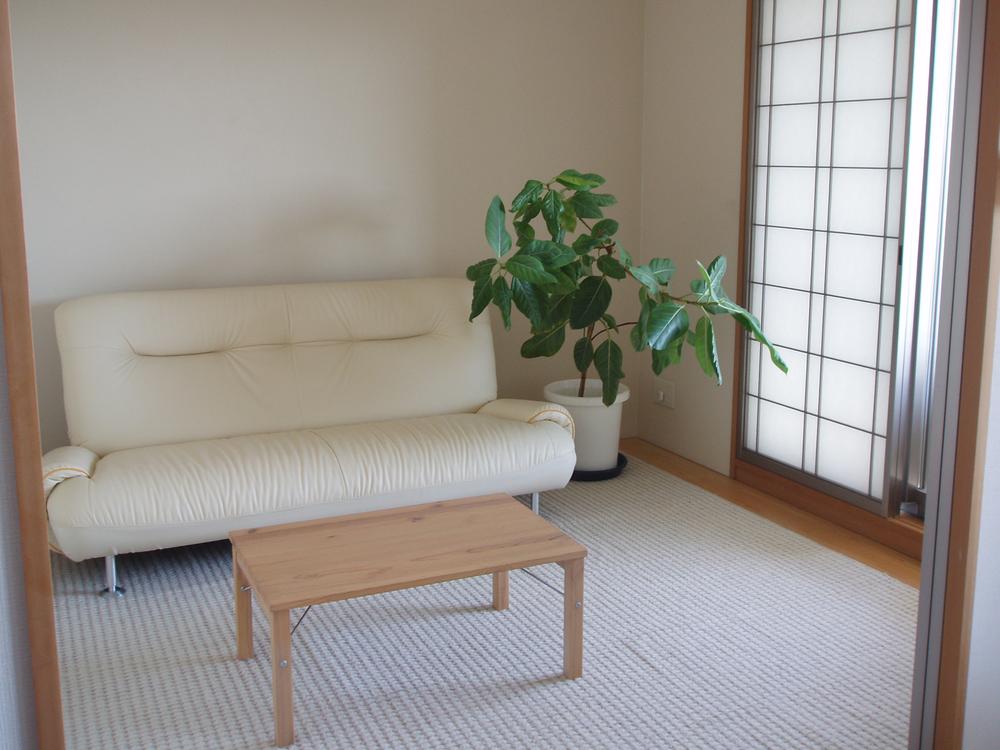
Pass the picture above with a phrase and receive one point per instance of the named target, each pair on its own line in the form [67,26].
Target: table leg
[244,612]
[501,589]
[573,618]
[281,678]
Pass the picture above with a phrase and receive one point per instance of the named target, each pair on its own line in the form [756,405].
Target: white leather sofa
[193,413]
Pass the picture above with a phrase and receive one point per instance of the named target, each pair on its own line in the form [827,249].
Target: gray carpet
[706,627]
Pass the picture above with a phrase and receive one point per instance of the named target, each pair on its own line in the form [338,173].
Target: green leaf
[496,229]
[544,344]
[567,219]
[608,363]
[560,256]
[502,298]
[654,274]
[667,321]
[584,243]
[609,320]
[555,310]
[604,199]
[525,232]
[638,338]
[551,254]
[750,323]
[640,331]
[659,358]
[526,299]
[704,291]
[708,289]
[552,208]
[590,302]
[528,268]
[529,193]
[663,269]
[562,283]
[609,265]
[669,356]
[605,228]
[586,206]
[646,277]
[482,295]
[705,349]
[583,354]
[573,179]
[626,256]
[483,268]
[531,210]
[716,272]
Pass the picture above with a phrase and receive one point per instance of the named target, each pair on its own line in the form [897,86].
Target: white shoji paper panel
[830,133]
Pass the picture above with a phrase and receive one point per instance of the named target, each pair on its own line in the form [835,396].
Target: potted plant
[564,288]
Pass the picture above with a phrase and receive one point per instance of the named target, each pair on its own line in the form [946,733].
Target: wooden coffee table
[299,564]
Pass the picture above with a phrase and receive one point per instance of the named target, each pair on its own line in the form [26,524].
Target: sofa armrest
[64,463]
[522,410]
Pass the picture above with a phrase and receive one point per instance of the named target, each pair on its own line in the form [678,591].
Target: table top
[329,559]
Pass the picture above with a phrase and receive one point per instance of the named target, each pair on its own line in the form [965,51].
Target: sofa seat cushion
[237,482]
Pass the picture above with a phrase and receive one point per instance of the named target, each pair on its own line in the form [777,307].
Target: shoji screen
[829,126]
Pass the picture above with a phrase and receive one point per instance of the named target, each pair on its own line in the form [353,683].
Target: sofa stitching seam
[295,371]
[343,475]
[81,472]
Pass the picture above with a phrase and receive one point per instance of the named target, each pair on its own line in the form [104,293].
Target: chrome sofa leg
[111,578]
[536,501]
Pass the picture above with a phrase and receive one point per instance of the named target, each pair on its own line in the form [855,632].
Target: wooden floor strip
[824,532]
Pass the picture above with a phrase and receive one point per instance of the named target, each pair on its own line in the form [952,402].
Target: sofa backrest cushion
[150,368]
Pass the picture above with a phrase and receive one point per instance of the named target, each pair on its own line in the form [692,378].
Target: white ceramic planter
[598,427]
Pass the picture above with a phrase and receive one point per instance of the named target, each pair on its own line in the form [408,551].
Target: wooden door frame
[974,401]
[24,427]
[977,366]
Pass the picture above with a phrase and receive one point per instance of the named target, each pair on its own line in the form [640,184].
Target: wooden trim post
[973,407]
[25,431]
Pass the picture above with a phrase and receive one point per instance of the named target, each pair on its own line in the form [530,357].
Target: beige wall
[691,141]
[194,144]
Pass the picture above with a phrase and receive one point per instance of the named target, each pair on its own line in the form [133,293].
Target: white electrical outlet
[663,392]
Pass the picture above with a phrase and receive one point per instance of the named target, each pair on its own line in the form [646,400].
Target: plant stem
[620,325]
[583,375]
